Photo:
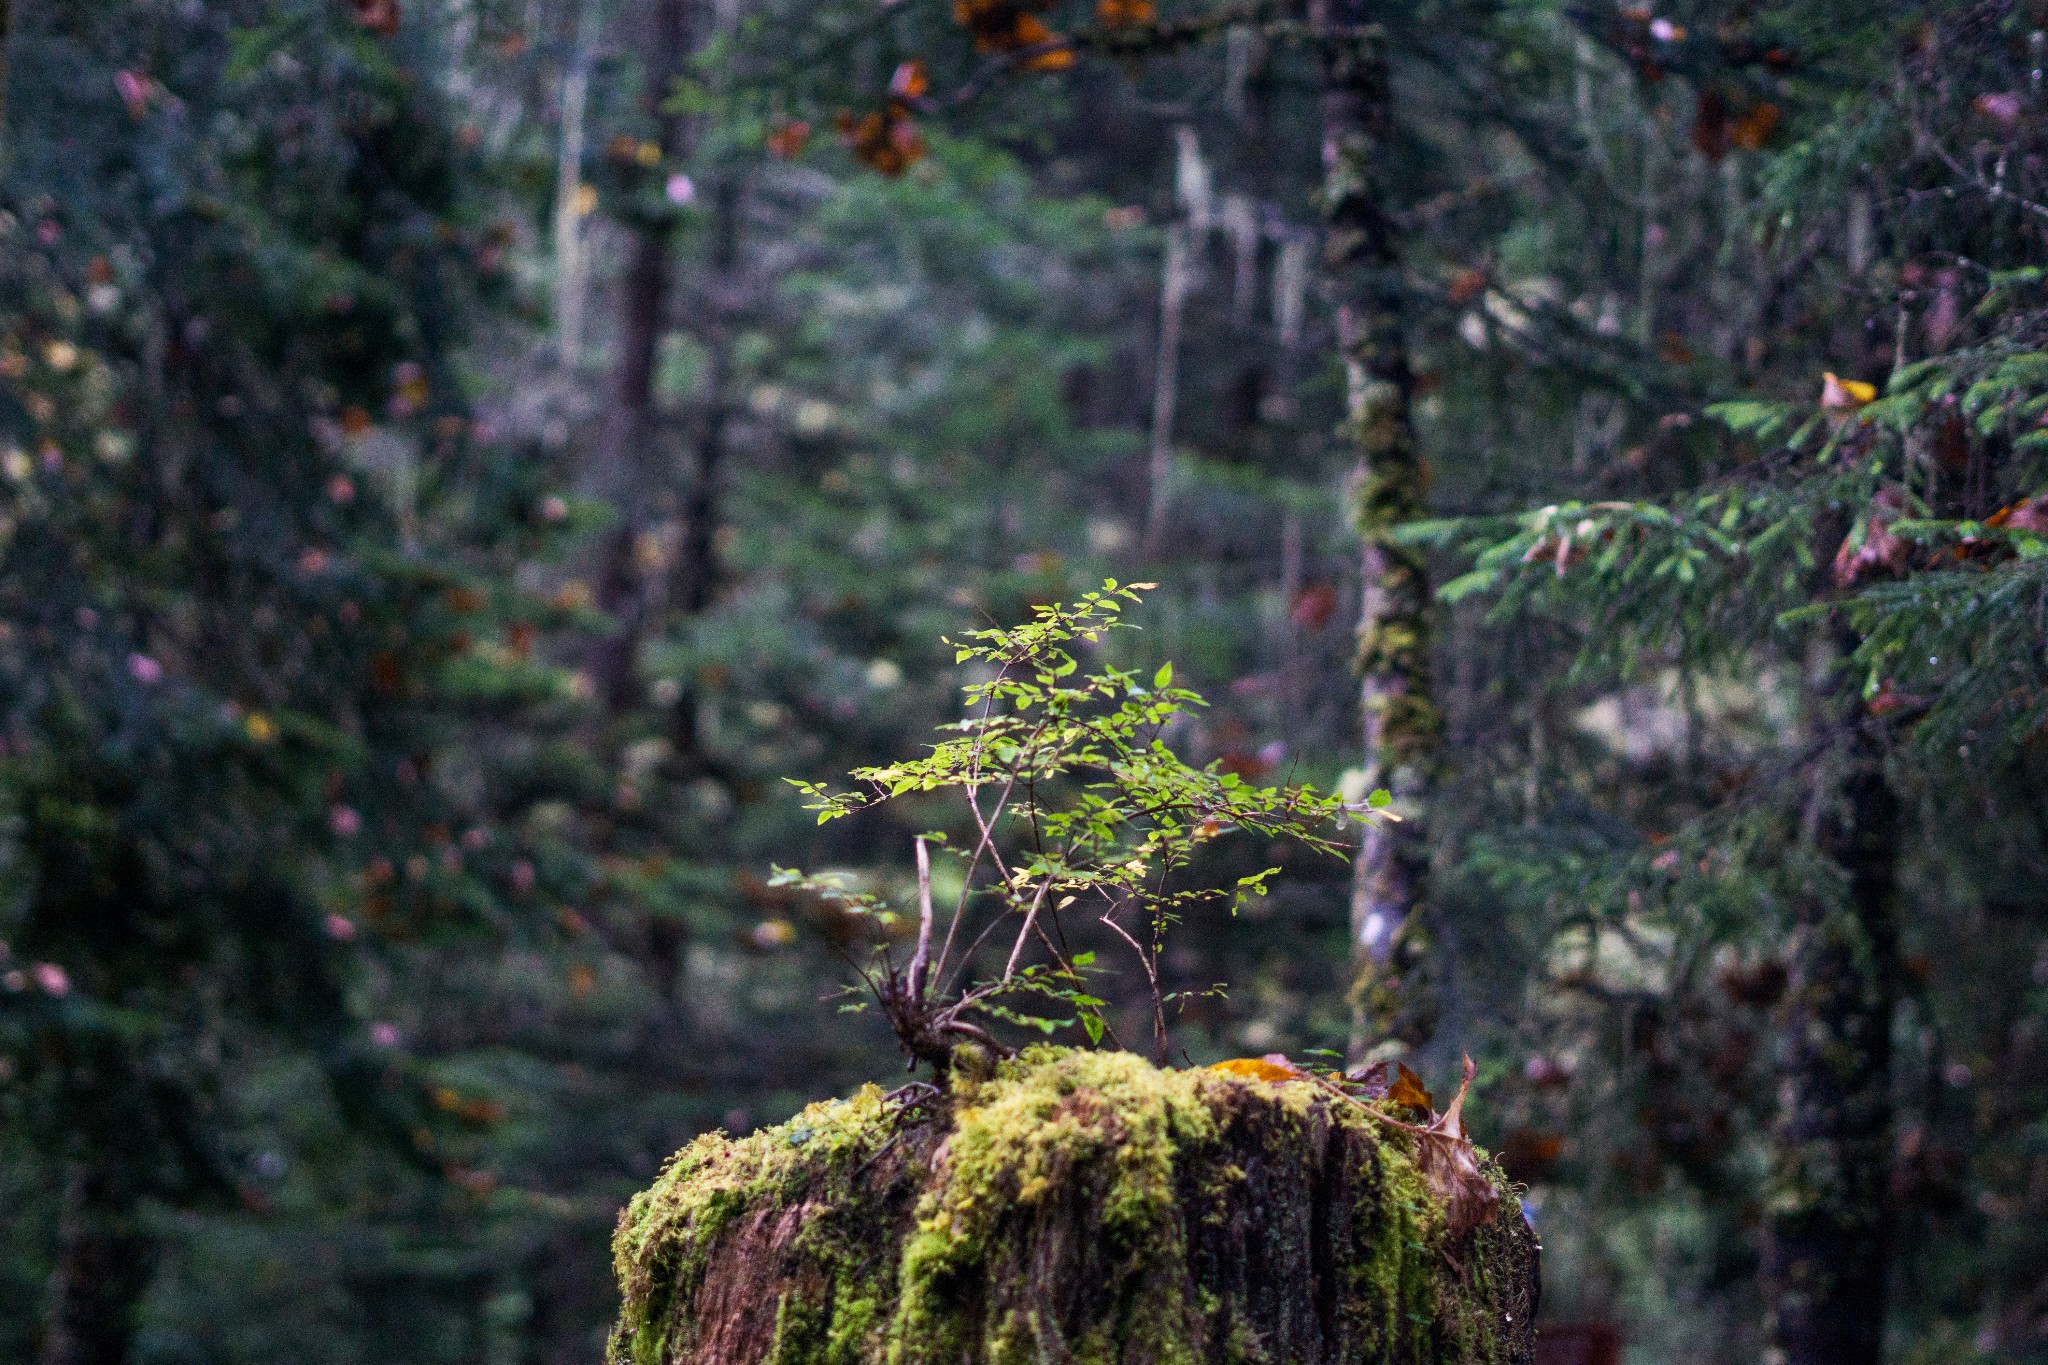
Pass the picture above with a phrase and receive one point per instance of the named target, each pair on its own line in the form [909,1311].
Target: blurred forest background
[457,457]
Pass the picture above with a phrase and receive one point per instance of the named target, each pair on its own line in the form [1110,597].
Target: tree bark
[570,269]
[1402,725]
[1173,292]
[1826,1249]
[6,32]
[104,1260]
[697,569]
[628,468]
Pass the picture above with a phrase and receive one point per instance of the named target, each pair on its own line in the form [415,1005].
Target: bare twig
[1151,975]
[921,963]
[1024,933]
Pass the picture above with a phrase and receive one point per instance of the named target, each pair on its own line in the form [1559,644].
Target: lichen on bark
[1391,995]
[1067,1206]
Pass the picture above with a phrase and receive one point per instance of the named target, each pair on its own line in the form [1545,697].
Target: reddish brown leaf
[886,140]
[1755,127]
[1313,606]
[1466,286]
[787,140]
[1880,552]
[1010,26]
[378,16]
[1672,350]
[1889,701]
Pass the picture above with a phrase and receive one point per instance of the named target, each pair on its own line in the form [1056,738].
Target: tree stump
[1068,1207]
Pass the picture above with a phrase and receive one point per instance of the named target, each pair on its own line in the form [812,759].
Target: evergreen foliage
[457,459]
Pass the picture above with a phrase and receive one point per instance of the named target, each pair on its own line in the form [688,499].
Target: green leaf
[1164,677]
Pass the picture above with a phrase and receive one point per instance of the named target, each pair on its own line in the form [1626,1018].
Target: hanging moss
[1071,1206]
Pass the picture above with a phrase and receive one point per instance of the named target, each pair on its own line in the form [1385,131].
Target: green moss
[1075,1206]
[665,1237]
[1017,1141]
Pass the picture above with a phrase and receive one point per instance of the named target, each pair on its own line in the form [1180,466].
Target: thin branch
[1030,918]
[921,962]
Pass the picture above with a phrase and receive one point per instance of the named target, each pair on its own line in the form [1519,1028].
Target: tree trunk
[1826,1250]
[1173,292]
[570,268]
[104,1259]
[6,32]
[697,567]
[696,573]
[1401,722]
[629,466]
[1071,1206]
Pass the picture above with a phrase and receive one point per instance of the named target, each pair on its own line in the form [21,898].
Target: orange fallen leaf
[1272,1067]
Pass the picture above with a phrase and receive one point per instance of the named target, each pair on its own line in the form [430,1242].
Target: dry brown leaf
[1405,1090]
[1450,1167]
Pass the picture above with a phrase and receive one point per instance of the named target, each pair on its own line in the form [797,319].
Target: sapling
[1078,806]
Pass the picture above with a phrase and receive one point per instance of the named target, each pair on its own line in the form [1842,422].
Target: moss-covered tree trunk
[1402,725]
[1071,1207]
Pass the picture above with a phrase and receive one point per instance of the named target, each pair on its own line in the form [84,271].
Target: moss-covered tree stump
[1074,1206]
